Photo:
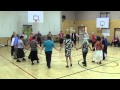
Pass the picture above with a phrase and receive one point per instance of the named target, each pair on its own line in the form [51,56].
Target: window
[35,15]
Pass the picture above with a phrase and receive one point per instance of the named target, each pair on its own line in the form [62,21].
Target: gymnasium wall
[52,22]
[8,24]
[88,18]
[70,21]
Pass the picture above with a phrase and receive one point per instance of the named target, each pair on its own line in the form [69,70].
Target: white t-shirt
[12,42]
[20,42]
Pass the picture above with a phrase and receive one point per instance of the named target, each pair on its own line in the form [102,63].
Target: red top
[61,35]
[98,46]
[93,38]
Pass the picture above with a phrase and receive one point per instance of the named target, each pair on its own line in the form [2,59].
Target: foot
[67,66]
[29,58]
[32,63]
[84,65]
[18,60]
[71,65]
[49,67]
[93,61]
[37,61]
[24,59]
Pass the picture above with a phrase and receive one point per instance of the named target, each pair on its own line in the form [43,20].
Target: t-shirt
[48,44]
[33,45]
[61,35]
[20,42]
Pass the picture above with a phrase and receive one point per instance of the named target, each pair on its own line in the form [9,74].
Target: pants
[93,43]
[16,50]
[39,42]
[84,58]
[104,51]
[48,58]
[74,41]
[61,41]
[12,50]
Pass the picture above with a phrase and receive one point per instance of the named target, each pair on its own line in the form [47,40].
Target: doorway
[117,32]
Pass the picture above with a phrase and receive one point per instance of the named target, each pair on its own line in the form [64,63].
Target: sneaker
[18,61]
[67,66]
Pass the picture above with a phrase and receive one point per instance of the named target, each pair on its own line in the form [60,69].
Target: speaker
[63,17]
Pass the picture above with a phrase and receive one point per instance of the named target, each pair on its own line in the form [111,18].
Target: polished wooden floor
[10,69]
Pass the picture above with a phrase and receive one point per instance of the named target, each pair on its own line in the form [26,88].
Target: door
[81,30]
[27,29]
[117,32]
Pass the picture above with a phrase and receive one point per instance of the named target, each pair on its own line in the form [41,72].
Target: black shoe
[100,62]
[83,62]
[71,65]
[32,63]
[85,65]
[37,61]
[24,59]
[67,66]
[93,61]
[18,61]
[49,67]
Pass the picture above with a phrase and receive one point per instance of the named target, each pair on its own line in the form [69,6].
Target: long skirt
[98,56]
[33,55]
[20,53]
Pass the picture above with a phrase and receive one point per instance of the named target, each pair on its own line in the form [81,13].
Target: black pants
[12,50]
[84,58]
[48,58]
[61,41]
[93,43]
[74,41]
[39,41]
[104,51]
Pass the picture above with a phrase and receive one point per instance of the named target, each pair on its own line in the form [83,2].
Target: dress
[68,46]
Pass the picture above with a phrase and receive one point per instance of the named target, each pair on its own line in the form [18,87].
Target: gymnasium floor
[10,69]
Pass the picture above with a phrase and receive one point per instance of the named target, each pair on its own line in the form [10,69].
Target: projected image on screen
[102,23]
[35,15]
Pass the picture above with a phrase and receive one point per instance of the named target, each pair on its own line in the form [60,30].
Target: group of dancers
[18,43]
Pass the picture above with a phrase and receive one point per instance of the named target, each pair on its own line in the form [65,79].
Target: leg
[70,61]
[29,57]
[103,54]
[84,59]
[67,61]
[50,53]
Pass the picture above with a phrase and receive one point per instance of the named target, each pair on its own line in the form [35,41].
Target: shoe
[29,58]
[18,61]
[71,65]
[93,61]
[67,66]
[24,59]
[85,65]
[37,61]
[49,67]
[32,63]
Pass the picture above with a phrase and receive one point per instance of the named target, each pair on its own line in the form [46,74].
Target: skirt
[20,53]
[67,52]
[98,56]
[33,55]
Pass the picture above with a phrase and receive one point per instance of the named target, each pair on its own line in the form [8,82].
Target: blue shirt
[16,41]
[48,44]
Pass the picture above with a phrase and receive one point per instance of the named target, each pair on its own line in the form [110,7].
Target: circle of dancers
[34,43]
